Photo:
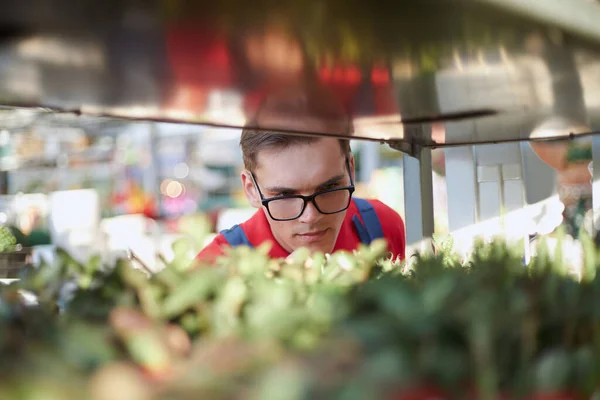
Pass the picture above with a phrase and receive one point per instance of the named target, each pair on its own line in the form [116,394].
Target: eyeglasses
[290,207]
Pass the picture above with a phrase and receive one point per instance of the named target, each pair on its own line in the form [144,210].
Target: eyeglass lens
[327,203]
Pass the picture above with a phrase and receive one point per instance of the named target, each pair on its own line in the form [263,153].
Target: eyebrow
[282,189]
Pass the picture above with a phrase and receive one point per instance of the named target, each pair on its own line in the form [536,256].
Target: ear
[351,162]
[250,190]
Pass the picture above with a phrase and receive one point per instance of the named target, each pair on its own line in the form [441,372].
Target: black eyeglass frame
[310,198]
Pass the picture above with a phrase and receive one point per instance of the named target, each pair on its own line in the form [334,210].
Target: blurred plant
[8,241]
[195,230]
[310,326]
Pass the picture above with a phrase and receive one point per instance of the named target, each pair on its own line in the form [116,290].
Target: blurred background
[120,121]
[96,185]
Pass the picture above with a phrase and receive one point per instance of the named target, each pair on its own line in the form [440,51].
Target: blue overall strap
[236,236]
[371,229]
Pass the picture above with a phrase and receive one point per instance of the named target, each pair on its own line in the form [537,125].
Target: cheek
[336,220]
[283,230]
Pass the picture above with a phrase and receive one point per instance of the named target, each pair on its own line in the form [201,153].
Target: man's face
[301,169]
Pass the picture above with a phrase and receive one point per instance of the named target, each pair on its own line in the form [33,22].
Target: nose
[310,214]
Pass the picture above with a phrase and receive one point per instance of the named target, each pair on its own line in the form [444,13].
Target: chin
[324,248]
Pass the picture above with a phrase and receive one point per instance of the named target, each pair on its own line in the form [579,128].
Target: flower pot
[560,155]
[13,262]
[570,158]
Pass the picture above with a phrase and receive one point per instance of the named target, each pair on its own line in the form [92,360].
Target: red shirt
[257,231]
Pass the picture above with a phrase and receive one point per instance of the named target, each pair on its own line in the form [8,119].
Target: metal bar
[153,171]
[461,183]
[596,182]
[369,157]
[418,196]
[489,189]
[398,144]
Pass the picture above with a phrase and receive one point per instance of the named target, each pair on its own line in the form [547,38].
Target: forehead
[300,166]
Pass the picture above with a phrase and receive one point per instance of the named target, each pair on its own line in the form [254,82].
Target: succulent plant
[346,325]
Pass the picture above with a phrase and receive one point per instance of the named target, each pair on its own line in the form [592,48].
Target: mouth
[313,236]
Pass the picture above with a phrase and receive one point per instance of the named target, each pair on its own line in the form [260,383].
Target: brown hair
[252,142]
[309,109]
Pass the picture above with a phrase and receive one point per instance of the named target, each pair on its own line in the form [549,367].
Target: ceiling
[412,73]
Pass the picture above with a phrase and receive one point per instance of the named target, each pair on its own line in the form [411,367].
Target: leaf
[93,265]
[199,285]
[588,272]
[553,371]
[184,253]
[169,277]
[132,276]
[87,346]
[229,305]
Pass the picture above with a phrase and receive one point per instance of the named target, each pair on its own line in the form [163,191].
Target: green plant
[8,241]
[311,326]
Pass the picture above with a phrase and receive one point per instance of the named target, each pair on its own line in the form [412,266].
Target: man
[302,187]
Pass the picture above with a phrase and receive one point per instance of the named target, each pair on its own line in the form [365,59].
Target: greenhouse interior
[172,225]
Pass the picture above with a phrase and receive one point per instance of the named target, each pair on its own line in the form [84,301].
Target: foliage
[311,326]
